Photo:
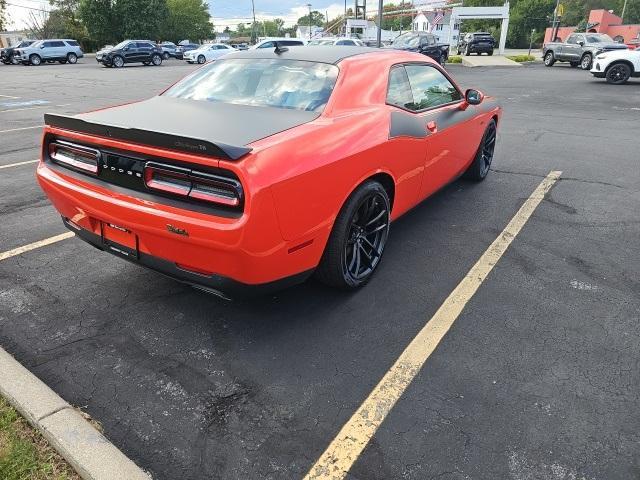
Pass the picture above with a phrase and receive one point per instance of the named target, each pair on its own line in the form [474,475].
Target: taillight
[76,157]
[193,184]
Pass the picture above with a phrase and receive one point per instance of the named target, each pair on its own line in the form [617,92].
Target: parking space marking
[21,128]
[34,245]
[346,447]
[32,108]
[19,164]
[9,96]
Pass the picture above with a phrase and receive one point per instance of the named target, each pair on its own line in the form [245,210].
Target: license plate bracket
[120,240]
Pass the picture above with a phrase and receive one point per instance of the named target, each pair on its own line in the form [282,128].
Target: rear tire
[618,73]
[574,64]
[166,56]
[72,58]
[467,52]
[35,60]
[549,59]
[358,238]
[479,169]
[156,60]
[62,62]
[490,52]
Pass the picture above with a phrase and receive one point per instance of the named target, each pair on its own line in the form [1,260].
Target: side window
[57,44]
[399,91]
[47,44]
[579,38]
[432,40]
[266,45]
[430,88]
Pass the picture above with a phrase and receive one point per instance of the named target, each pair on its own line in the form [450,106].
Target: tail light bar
[193,184]
[74,156]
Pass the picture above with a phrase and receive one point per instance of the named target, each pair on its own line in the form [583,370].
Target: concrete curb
[73,437]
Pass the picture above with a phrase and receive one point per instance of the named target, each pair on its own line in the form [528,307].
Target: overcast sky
[224,12]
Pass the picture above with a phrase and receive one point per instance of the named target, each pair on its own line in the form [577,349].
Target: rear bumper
[481,48]
[215,284]
[193,246]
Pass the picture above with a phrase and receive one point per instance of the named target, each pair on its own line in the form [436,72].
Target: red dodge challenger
[266,166]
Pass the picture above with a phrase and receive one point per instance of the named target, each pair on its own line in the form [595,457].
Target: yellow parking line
[18,164]
[34,245]
[21,128]
[346,447]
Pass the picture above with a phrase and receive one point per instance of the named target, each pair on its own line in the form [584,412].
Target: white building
[424,22]
[367,31]
[11,38]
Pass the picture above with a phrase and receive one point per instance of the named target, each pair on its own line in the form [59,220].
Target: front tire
[479,169]
[549,59]
[585,62]
[117,61]
[358,238]
[156,60]
[35,60]
[201,59]
[618,73]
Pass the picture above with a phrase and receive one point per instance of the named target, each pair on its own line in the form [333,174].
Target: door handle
[432,126]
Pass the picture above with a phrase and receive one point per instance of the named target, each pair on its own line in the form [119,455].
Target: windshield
[601,37]
[287,84]
[36,44]
[122,44]
[407,40]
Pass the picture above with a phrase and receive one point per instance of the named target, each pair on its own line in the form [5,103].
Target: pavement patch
[344,450]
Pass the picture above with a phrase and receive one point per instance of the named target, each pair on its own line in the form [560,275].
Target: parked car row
[597,52]
[36,53]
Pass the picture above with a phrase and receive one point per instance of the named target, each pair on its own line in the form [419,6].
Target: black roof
[330,54]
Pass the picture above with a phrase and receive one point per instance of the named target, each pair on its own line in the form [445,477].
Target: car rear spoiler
[148,137]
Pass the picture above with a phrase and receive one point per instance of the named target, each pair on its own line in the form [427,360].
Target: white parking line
[9,96]
[346,447]
[34,245]
[18,164]
[21,128]
[32,108]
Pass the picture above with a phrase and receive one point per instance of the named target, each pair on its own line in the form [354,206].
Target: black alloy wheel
[618,73]
[358,238]
[479,169]
[367,237]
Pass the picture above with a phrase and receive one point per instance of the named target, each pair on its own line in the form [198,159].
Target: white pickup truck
[579,49]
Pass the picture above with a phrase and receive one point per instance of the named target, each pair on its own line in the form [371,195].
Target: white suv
[55,50]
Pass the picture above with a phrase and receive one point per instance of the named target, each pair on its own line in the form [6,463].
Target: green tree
[3,13]
[98,16]
[317,19]
[140,19]
[187,19]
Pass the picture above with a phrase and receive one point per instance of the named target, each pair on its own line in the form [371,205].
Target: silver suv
[55,50]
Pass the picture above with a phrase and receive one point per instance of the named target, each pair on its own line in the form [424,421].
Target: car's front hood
[201,127]
[608,46]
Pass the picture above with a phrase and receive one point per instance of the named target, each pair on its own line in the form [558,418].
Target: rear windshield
[288,84]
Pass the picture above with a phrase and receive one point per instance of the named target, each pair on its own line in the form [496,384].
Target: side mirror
[41,46]
[581,43]
[471,97]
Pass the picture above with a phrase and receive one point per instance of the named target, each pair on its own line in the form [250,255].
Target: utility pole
[253,25]
[309,5]
[379,42]
[556,22]
[624,8]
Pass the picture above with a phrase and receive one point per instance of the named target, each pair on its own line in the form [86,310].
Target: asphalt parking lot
[537,379]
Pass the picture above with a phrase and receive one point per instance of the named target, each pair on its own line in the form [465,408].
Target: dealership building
[602,21]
